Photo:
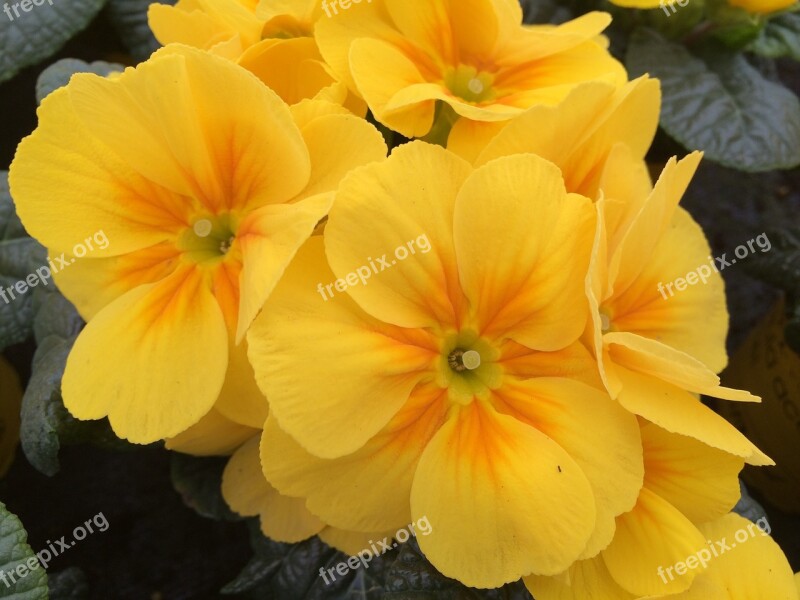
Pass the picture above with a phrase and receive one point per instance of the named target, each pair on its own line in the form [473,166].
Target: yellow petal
[244,488]
[240,399]
[369,489]
[213,435]
[404,227]
[303,341]
[585,580]
[495,515]
[153,361]
[523,249]
[701,482]
[269,238]
[596,432]
[678,411]
[650,538]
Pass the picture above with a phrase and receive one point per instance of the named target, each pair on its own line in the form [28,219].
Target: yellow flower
[762,7]
[402,56]
[425,392]
[203,205]
[213,435]
[686,484]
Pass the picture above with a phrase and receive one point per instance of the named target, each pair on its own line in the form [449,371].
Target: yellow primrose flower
[203,204]
[658,349]
[273,40]
[475,57]
[762,7]
[425,387]
[686,484]
[746,564]
[213,435]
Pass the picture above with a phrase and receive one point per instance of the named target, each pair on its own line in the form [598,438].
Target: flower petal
[379,211]
[213,435]
[523,249]
[301,343]
[495,514]
[153,361]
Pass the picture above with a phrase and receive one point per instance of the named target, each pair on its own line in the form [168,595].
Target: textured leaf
[748,507]
[34,35]
[721,105]
[130,21]
[780,37]
[15,554]
[58,74]
[199,482]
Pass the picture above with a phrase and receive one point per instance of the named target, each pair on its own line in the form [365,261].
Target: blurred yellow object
[10,403]
[769,368]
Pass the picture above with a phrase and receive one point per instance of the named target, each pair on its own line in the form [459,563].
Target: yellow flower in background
[475,57]
[762,7]
[274,40]
[686,484]
[425,391]
[203,204]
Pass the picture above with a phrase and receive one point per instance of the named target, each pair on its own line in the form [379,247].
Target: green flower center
[208,239]
[467,367]
[470,85]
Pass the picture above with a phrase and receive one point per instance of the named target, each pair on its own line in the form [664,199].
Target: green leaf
[16,312]
[199,482]
[27,38]
[780,37]
[130,20]
[544,11]
[58,74]
[721,105]
[15,554]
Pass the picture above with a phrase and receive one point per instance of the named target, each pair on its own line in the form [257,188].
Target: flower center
[209,238]
[468,367]
[468,84]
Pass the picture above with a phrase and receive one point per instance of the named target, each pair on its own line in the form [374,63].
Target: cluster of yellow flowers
[756,7]
[522,385]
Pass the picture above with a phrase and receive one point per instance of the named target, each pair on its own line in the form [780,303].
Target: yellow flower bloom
[686,484]
[426,392]
[213,435]
[204,206]
[274,40]
[762,7]
[402,56]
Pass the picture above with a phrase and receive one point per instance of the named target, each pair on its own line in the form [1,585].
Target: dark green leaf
[199,482]
[16,310]
[30,37]
[58,74]
[130,20]
[15,554]
[780,37]
[720,104]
